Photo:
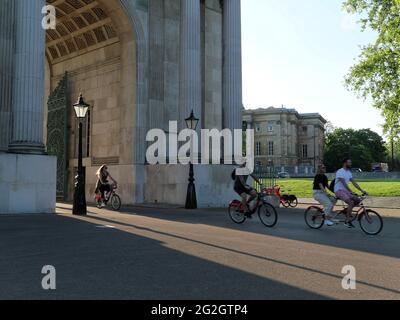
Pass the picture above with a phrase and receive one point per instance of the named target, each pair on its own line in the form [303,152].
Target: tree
[377,74]
[393,151]
[364,147]
[329,127]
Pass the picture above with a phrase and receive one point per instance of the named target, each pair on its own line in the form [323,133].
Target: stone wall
[212,59]
[314,139]
[27,183]
[133,85]
[107,77]
[164,39]
[167,184]
[6,70]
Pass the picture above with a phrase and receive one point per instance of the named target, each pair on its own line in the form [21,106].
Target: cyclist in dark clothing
[320,193]
[103,186]
[246,192]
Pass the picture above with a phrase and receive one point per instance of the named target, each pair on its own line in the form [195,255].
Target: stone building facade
[139,64]
[287,138]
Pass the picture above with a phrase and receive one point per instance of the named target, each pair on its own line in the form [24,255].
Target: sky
[296,53]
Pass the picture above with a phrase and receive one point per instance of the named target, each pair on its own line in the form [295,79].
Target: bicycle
[113,198]
[371,223]
[286,200]
[266,212]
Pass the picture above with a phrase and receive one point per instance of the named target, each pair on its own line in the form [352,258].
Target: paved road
[153,253]
[372,202]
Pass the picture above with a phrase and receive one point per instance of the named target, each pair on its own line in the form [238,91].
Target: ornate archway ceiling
[82,25]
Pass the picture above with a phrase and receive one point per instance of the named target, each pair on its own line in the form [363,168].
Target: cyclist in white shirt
[343,191]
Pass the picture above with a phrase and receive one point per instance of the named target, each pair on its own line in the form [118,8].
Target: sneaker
[349,225]
[103,205]
[329,223]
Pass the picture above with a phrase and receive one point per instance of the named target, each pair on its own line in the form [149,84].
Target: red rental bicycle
[266,212]
[287,200]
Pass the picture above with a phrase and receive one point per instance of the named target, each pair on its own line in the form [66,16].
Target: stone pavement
[156,253]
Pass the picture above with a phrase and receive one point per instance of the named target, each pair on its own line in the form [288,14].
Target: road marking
[105,227]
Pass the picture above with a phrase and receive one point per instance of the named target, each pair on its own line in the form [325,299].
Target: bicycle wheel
[314,217]
[236,216]
[115,202]
[268,215]
[286,204]
[371,223]
[294,203]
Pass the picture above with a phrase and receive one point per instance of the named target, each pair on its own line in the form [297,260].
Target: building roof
[274,110]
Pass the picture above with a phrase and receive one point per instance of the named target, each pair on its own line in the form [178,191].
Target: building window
[271,148]
[305,151]
[270,126]
[258,149]
[86,135]
[258,128]
[305,129]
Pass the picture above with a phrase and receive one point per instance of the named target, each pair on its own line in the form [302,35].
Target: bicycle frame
[260,201]
[111,193]
[360,211]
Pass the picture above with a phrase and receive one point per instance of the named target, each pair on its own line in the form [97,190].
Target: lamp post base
[191,199]
[79,207]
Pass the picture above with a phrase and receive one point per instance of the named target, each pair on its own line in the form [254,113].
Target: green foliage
[393,151]
[302,188]
[377,74]
[364,147]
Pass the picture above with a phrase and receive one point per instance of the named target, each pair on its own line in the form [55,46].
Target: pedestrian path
[373,202]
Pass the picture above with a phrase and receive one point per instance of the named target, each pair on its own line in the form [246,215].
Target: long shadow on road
[291,225]
[95,263]
[250,255]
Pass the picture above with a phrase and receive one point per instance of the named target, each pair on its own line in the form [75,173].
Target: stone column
[28,86]
[190,61]
[232,79]
[6,69]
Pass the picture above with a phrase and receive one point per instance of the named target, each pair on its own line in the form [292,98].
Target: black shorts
[105,188]
[240,189]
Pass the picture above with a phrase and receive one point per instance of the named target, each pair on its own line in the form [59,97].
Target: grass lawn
[302,188]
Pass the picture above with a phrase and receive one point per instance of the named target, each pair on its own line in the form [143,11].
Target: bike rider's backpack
[332,186]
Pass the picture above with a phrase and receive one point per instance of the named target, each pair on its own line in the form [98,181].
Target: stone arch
[121,19]
[138,25]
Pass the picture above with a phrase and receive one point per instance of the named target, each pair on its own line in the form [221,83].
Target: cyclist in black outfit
[103,186]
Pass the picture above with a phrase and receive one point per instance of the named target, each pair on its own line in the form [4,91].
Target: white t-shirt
[344,174]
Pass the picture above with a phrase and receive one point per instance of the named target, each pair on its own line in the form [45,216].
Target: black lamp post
[191,199]
[80,208]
